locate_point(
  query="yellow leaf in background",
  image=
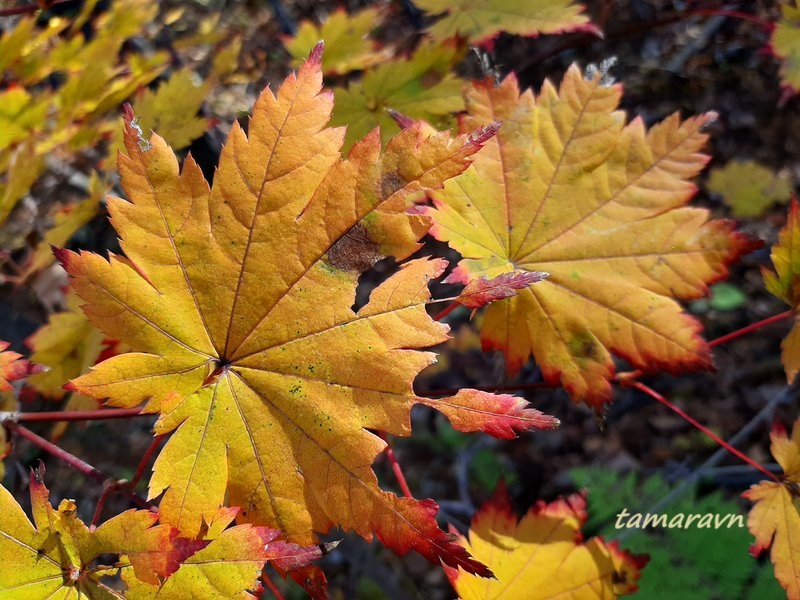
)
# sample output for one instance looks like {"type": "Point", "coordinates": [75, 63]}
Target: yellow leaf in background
{"type": "Point", "coordinates": [94, 80]}
{"type": "Point", "coordinates": [774, 520]}
{"type": "Point", "coordinates": [67, 220]}
{"type": "Point", "coordinates": [237, 301]}
{"type": "Point", "coordinates": [784, 282]}
{"type": "Point", "coordinates": [68, 345]}
{"type": "Point", "coordinates": [749, 188]}
{"type": "Point", "coordinates": [20, 115]}
{"type": "Point", "coordinates": [568, 189]}
{"type": "Point", "coordinates": [785, 44]}
{"type": "Point", "coordinates": [481, 20]}
{"type": "Point", "coordinates": [172, 110]}
{"type": "Point", "coordinates": [23, 168]}
{"type": "Point", "coordinates": [544, 555]}
{"type": "Point", "coordinates": [347, 46]}
{"type": "Point", "coordinates": [422, 86]}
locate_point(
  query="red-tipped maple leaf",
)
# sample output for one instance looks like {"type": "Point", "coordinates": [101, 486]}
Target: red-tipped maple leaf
{"type": "Point", "coordinates": [543, 555]}
{"type": "Point", "coordinates": [567, 188]}
{"type": "Point", "coordinates": [237, 300]}
{"type": "Point", "coordinates": [774, 520]}
{"type": "Point", "coordinates": [784, 282]}
{"type": "Point", "coordinates": [482, 291]}
{"type": "Point", "coordinates": [13, 367]}
{"type": "Point", "coordinates": [57, 555]}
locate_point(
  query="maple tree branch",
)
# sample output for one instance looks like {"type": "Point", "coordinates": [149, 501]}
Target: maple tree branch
{"type": "Point", "coordinates": [110, 486]}
{"type": "Point", "coordinates": [443, 313]}
{"type": "Point", "coordinates": [687, 483]}
{"type": "Point", "coordinates": [586, 39]}
{"type": "Point", "coordinates": [689, 419]}
{"type": "Point", "coordinates": [268, 583]}
{"type": "Point", "coordinates": [70, 459]}
{"type": "Point", "coordinates": [29, 8]}
{"type": "Point", "coordinates": [752, 327]}
{"type": "Point", "coordinates": [72, 415]}
{"type": "Point", "coordinates": [398, 471]}
{"type": "Point", "coordinates": [145, 459]}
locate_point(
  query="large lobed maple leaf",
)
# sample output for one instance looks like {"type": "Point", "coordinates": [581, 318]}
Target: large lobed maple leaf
{"type": "Point", "coordinates": [237, 300]}
{"type": "Point", "coordinates": [567, 188]}
{"type": "Point", "coordinates": [543, 555]}
{"type": "Point", "coordinates": [774, 520]}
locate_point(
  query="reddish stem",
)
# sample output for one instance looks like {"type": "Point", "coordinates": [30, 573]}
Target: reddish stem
{"type": "Point", "coordinates": [79, 415]}
{"type": "Point", "coordinates": [684, 415]}
{"type": "Point", "coordinates": [398, 471]}
{"type": "Point", "coordinates": [72, 460]}
{"type": "Point", "coordinates": [61, 454]}
{"type": "Point", "coordinates": [446, 311]}
{"type": "Point", "coordinates": [112, 486]}
{"type": "Point", "coordinates": [145, 459]}
{"type": "Point", "coordinates": [109, 487]}
{"type": "Point", "coordinates": [752, 327]}
{"type": "Point", "coordinates": [28, 8]}
{"type": "Point", "coordinates": [265, 579]}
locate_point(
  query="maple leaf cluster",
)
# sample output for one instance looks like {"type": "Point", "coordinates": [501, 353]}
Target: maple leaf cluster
{"type": "Point", "coordinates": [230, 312]}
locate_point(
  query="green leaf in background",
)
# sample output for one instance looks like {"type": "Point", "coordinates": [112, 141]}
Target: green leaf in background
{"type": "Point", "coordinates": [723, 297]}
{"type": "Point", "coordinates": [702, 564]}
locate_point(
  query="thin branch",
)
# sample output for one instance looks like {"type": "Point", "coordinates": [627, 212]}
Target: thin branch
{"type": "Point", "coordinates": [398, 471]}
{"type": "Point", "coordinates": [765, 414]}
{"type": "Point", "coordinates": [752, 327]}
{"type": "Point", "coordinates": [145, 459]}
{"type": "Point", "coordinates": [443, 313]}
{"type": "Point", "coordinates": [72, 415]}
{"type": "Point", "coordinates": [29, 8]}
{"type": "Point", "coordinates": [72, 460]}
{"type": "Point", "coordinates": [688, 418]}
{"type": "Point", "coordinates": [265, 579]}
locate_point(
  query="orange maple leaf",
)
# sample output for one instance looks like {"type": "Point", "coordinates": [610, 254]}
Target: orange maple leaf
{"type": "Point", "coordinates": [775, 518]}
{"type": "Point", "coordinates": [13, 367]}
{"type": "Point", "coordinates": [543, 555]}
{"type": "Point", "coordinates": [784, 282]}
{"type": "Point", "coordinates": [567, 188]}
{"type": "Point", "coordinates": [237, 300]}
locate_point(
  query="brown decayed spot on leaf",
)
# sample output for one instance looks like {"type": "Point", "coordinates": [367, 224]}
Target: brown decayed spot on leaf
{"type": "Point", "coordinates": [355, 251]}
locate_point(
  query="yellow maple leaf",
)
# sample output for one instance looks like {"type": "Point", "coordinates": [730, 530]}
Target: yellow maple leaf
{"type": "Point", "coordinates": [785, 44]}
{"type": "Point", "coordinates": [749, 188]}
{"type": "Point", "coordinates": [237, 300]}
{"type": "Point", "coordinates": [774, 520]}
{"type": "Point", "coordinates": [480, 20]}
{"type": "Point", "coordinates": [783, 283]}
{"type": "Point", "coordinates": [55, 556]}
{"type": "Point", "coordinates": [421, 86]}
{"type": "Point", "coordinates": [347, 47]}
{"type": "Point", "coordinates": [543, 555]}
{"type": "Point", "coordinates": [568, 189]}
{"type": "Point", "coordinates": [67, 220]}
{"type": "Point", "coordinates": [172, 109]}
